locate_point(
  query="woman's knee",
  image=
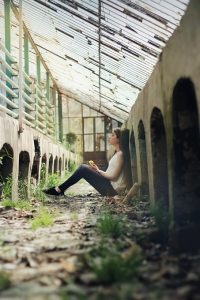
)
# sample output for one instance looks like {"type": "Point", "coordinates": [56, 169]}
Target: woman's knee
{"type": "Point", "coordinates": [83, 168]}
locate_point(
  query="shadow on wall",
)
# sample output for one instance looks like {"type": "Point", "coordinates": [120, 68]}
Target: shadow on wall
{"type": "Point", "coordinates": [24, 162]}
{"type": "Point", "coordinates": [144, 189]}
{"type": "Point", "coordinates": [127, 160]}
{"type": "Point", "coordinates": [186, 143]}
{"type": "Point", "coordinates": [133, 157]}
{"type": "Point", "coordinates": [6, 166]}
{"type": "Point", "coordinates": [159, 156]}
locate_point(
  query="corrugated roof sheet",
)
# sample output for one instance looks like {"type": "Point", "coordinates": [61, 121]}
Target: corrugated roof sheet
{"type": "Point", "coordinates": [121, 48]}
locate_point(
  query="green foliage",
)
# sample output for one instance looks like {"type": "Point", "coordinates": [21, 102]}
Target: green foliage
{"type": "Point", "coordinates": [43, 218]}
{"type": "Point", "coordinates": [110, 225]}
{"type": "Point", "coordinates": [4, 281]}
{"type": "Point", "coordinates": [21, 204]}
{"type": "Point", "coordinates": [52, 180]}
{"type": "Point", "coordinates": [22, 189]}
{"type": "Point", "coordinates": [36, 193]}
{"type": "Point", "coordinates": [115, 268]}
{"type": "Point", "coordinates": [71, 138]}
{"type": "Point", "coordinates": [71, 166]}
{"type": "Point", "coordinates": [7, 188]}
{"type": "Point", "coordinates": [42, 174]}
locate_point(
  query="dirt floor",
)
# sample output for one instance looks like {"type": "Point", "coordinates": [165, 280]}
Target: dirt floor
{"type": "Point", "coordinates": [79, 257]}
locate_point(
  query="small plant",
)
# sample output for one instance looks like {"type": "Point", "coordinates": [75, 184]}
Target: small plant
{"type": "Point", "coordinates": [71, 139]}
{"type": "Point", "coordinates": [21, 204]}
{"type": "Point", "coordinates": [53, 180]}
{"type": "Point", "coordinates": [115, 268]}
{"type": "Point", "coordinates": [109, 225]}
{"type": "Point", "coordinates": [42, 174]}
{"type": "Point", "coordinates": [4, 281]}
{"type": "Point", "coordinates": [22, 189]}
{"type": "Point", "coordinates": [37, 193]}
{"type": "Point", "coordinates": [71, 166]}
{"type": "Point", "coordinates": [7, 188]}
{"type": "Point", "coordinates": [43, 219]}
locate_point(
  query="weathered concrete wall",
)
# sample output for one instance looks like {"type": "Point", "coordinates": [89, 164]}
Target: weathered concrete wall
{"type": "Point", "coordinates": [25, 142]}
{"type": "Point", "coordinates": [180, 59]}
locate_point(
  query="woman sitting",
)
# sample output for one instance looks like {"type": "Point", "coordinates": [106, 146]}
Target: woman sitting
{"type": "Point", "coordinates": [107, 183]}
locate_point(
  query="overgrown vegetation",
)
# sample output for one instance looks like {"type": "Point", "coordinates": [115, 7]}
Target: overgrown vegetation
{"type": "Point", "coordinates": [43, 218]}
{"type": "Point", "coordinates": [111, 266]}
{"type": "Point", "coordinates": [7, 188]}
{"type": "Point", "coordinates": [110, 225]}
{"type": "Point", "coordinates": [20, 204]}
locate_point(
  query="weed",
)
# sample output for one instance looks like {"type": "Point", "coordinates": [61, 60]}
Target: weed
{"type": "Point", "coordinates": [7, 188]}
{"type": "Point", "coordinates": [53, 180]}
{"type": "Point", "coordinates": [115, 268]}
{"type": "Point", "coordinates": [4, 281]}
{"type": "Point", "coordinates": [22, 189]}
{"type": "Point", "coordinates": [37, 193]}
{"type": "Point", "coordinates": [21, 204]}
{"type": "Point", "coordinates": [110, 225]}
{"type": "Point", "coordinates": [42, 219]}
{"type": "Point", "coordinates": [71, 166]}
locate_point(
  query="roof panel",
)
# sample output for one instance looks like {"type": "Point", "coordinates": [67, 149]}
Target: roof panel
{"type": "Point", "coordinates": [128, 43]}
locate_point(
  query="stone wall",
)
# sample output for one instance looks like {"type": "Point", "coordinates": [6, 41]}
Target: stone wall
{"type": "Point", "coordinates": [164, 125]}
{"type": "Point", "coordinates": [21, 152]}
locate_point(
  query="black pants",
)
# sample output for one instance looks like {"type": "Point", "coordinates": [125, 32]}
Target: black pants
{"type": "Point", "coordinates": [100, 183]}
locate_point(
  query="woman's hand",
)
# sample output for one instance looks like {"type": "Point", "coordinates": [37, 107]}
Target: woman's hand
{"type": "Point", "coordinates": [93, 166]}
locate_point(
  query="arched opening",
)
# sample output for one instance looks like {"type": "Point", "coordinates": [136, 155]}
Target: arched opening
{"type": "Point", "coordinates": [50, 164]}
{"type": "Point", "coordinates": [143, 160]}
{"type": "Point", "coordinates": [43, 169]}
{"type": "Point", "coordinates": [66, 165]}
{"type": "Point", "coordinates": [133, 158]}
{"type": "Point", "coordinates": [186, 143]}
{"type": "Point", "coordinates": [6, 167]}
{"type": "Point", "coordinates": [36, 161]}
{"type": "Point", "coordinates": [127, 160]}
{"type": "Point", "coordinates": [60, 166]}
{"type": "Point", "coordinates": [159, 155]}
{"type": "Point", "coordinates": [24, 161]}
{"type": "Point", "coordinates": [55, 165]}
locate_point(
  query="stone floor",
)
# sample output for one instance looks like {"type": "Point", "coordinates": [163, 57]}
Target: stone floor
{"type": "Point", "coordinates": [56, 262]}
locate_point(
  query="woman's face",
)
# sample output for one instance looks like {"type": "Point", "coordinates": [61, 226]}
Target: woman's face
{"type": "Point", "coordinates": [113, 139]}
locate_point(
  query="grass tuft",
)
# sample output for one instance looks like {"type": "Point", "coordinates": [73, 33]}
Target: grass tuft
{"type": "Point", "coordinates": [43, 218]}
{"type": "Point", "coordinates": [110, 225]}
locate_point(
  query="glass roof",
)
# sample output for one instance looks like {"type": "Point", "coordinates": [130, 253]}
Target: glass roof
{"type": "Point", "coordinates": [102, 52]}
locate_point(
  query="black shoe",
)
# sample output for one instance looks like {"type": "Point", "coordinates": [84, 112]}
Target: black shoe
{"type": "Point", "coordinates": [52, 191]}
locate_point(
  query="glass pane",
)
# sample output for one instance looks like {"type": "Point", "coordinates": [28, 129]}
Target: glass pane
{"type": "Point", "coordinates": [100, 142]}
{"type": "Point", "coordinates": [88, 143]}
{"type": "Point", "coordinates": [88, 125]}
{"type": "Point", "coordinates": [99, 124]}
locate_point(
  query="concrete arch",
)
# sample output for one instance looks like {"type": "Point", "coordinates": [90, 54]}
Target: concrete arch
{"type": "Point", "coordinates": [60, 166]}
{"type": "Point", "coordinates": [186, 160]}
{"type": "Point", "coordinates": [143, 159]}
{"type": "Point", "coordinates": [6, 166]}
{"type": "Point", "coordinates": [159, 158]}
{"type": "Point", "coordinates": [133, 157]}
{"type": "Point", "coordinates": [23, 177]}
{"type": "Point", "coordinates": [50, 171]}
{"type": "Point", "coordinates": [55, 169]}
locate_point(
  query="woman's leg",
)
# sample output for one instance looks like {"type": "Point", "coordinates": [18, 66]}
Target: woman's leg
{"type": "Point", "coordinates": [100, 183]}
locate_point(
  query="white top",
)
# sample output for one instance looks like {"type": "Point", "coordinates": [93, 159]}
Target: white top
{"type": "Point", "coordinates": [115, 171]}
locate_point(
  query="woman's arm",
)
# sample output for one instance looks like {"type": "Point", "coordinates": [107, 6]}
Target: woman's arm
{"type": "Point", "coordinates": [113, 174]}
